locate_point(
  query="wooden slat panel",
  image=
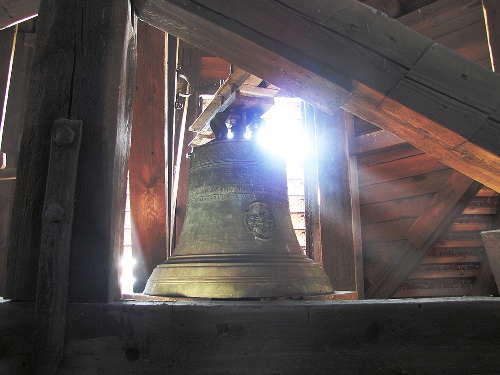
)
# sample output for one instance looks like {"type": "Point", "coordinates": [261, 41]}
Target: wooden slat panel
{"type": "Point", "coordinates": [404, 208]}
{"type": "Point", "coordinates": [468, 42]}
{"type": "Point", "coordinates": [480, 211]}
{"type": "Point", "coordinates": [443, 16]}
{"type": "Point", "coordinates": [399, 169]}
{"type": "Point", "coordinates": [446, 205]}
{"type": "Point", "coordinates": [400, 153]}
{"type": "Point", "coordinates": [487, 192]}
{"type": "Point", "coordinates": [459, 243]}
{"type": "Point", "coordinates": [439, 292]}
{"type": "Point", "coordinates": [443, 274]}
{"type": "Point", "coordinates": [386, 231]}
{"type": "Point", "coordinates": [376, 141]}
{"type": "Point", "coordinates": [453, 259]}
{"type": "Point", "coordinates": [456, 227]}
{"type": "Point", "coordinates": [404, 188]}
{"type": "Point", "coordinates": [380, 252]}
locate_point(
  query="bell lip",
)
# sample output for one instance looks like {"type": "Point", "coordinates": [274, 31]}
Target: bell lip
{"type": "Point", "coordinates": [237, 280]}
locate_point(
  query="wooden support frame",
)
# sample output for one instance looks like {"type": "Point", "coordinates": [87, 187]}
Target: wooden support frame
{"type": "Point", "coordinates": [147, 154]}
{"type": "Point", "coordinates": [446, 205]}
{"type": "Point", "coordinates": [334, 230]}
{"type": "Point", "coordinates": [390, 76]}
{"type": "Point", "coordinates": [91, 44]}
{"type": "Point", "coordinates": [55, 248]}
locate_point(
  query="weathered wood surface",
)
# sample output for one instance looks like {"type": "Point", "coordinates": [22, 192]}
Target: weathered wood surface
{"type": "Point", "coordinates": [15, 11]}
{"type": "Point", "coordinates": [91, 46]}
{"type": "Point", "coordinates": [338, 231]}
{"type": "Point", "coordinates": [55, 247]}
{"type": "Point", "coordinates": [147, 155]}
{"type": "Point", "coordinates": [456, 24]}
{"type": "Point", "coordinates": [422, 233]}
{"type": "Point", "coordinates": [344, 54]}
{"type": "Point", "coordinates": [376, 141]}
{"type": "Point", "coordinates": [443, 336]}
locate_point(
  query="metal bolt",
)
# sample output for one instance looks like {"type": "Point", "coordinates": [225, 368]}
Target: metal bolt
{"type": "Point", "coordinates": [64, 135]}
{"type": "Point", "coordinates": [54, 212]}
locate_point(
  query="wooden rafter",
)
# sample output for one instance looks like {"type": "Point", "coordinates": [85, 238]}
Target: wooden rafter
{"type": "Point", "coordinates": [345, 54]}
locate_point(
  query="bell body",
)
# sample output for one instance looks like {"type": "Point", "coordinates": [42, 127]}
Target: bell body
{"type": "Point", "coordinates": [237, 240]}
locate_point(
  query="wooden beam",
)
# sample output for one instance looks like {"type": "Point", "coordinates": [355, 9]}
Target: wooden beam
{"type": "Point", "coordinates": [373, 142]}
{"type": "Point", "coordinates": [446, 205]}
{"type": "Point", "coordinates": [491, 10]}
{"type": "Point", "coordinates": [339, 232]}
{"type": "Point", "coordinates": [439, 336]}
{"type": "Point", "coordinates": [91, 46]}
{"type": "Point", "coordinates": [15, 11]}
{"type": "Point", "coordinates": [147, 155]}
{"type": "Point", "coordinates": [439, 101]}
{"type": "Point", "coordinates": [55, 247]}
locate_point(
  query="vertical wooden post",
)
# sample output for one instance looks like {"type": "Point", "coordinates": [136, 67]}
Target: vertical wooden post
{"type": "Point", "coordinates": [83, 67]}
{"type": "Point", "coordinates": [338, 233]}
{"type": "Point", "coordinates": [52, 289]}
{"type": "Point", "coordinates": [147, 155]}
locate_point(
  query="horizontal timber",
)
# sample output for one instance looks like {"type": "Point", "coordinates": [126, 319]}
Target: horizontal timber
{"type": "Point", "coordinates": [293, 337]}
{"type": "Point", "coordinates": [373, 66]}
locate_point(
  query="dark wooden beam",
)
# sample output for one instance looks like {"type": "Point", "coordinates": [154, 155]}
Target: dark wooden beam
{"type": "Point", "coordinates": [439, 336]}
{"type": "Point", "coordinates": [432, 223]}
{"type": "Point", "coordinates": [147, 155]}
{"type": "Point", "coordinates": [344, 54]}
{"type": "Point", "coordinates": [83, 68]}
{"type": "Point", "coordinates": [337, 230]}
{"type": "Point", "coordinates": [55, 247]}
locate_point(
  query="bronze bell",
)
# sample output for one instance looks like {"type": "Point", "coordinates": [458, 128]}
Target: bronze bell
{"type": "Point", "coordinates": [237, 240]}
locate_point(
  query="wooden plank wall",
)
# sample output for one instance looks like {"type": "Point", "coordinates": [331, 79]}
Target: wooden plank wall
{"type": "Point", "coordinates": [398, 182]}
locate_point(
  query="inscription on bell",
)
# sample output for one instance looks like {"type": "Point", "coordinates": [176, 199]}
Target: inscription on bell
{"type": "Point", "coordinates": [259, 220]}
